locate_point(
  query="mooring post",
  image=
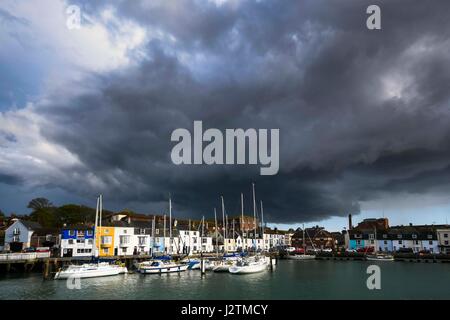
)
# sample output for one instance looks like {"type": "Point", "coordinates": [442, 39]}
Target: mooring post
{"type": "Point", "coordinates": [271, 262]}
{"type": "Point", "coordinates": [8, 267]}
{"type": "Point", "coordinates": [46, 270]}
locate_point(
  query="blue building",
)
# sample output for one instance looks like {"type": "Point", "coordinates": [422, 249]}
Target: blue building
{"type": "Point", "coordinates": [77, 241]}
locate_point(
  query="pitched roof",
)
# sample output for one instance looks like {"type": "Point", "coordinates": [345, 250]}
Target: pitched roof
{"type": "Point", "coordinates": [30, 225]}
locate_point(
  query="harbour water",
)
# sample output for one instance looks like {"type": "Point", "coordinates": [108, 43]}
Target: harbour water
{"type": "Point", "coordinates": [290, 280]}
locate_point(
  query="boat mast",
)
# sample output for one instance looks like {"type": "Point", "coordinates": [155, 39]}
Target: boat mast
{"type": "Point", "coordinates": [164, 227]}
{"type": "Point", "coordinates": [242, 221]}
{"type": "Point", "coordinates": [170, 225]}
{"type": "Point", "coordinates": [224, 230]}
{"type": "Point", "coordinates": [100, 209]}
{"type": "Point", "coordinates": [234, 241]}
{"type": "Point", "coordinates": [262, 223]}
{"type": "Point", "coordinates": [304, 247]}
{"type": "Point", "coordinates": [203, 233]}
{"type": "Point", "coordinates": [95, 250]}
{"type": "Point", "coordinates": [153, 234]}
{"type": "Point", "coordinates": [254, 213]}
{"type": "Point", "coordinates": [215, 220]}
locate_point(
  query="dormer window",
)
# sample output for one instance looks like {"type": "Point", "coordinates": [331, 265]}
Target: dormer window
{"type": "Point", "coordinates": [399, 236]}
{"type": "Point", "coordinates": [430, 236]}
{"type": "Point", "coordinates": [414, 236]}
{"type": "Point", "coordinates": [384, 236]}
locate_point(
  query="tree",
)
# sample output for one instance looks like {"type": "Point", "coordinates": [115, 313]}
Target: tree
{"type": "Point", "coordinates": [39, 203]}
{"type": "Point", "coordinates": [2, 214]}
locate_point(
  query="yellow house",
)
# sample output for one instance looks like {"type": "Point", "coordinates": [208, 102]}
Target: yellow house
{"type": "Point", "coordinates": [106, 237]}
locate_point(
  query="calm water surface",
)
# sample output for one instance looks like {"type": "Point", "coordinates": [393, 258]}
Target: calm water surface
{"type": "Point", "coordinates": [290, 280]}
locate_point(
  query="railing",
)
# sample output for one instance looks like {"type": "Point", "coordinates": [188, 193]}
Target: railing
{"type": "Point", "coordinates": [24, 256]}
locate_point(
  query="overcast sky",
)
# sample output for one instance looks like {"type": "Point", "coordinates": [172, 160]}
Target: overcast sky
{"type": "Point", "coordinates": [364, 115]}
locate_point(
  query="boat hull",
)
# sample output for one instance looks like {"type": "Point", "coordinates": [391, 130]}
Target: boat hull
{"type": "Point", "coordinates": [301, 257]}
{"type": "Point", "coordinates": [159, 270]}
{"type": "Point", "coordinates": [90, 273]}
{"type": "Point", "coordinates": [248, 269]}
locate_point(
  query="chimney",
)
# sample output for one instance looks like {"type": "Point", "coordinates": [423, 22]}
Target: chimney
{"type": "Point", "coordinates": [350, 227]}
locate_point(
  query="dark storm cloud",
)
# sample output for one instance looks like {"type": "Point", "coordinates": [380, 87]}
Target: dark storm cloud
{"type": "Point", "coordinates": [360, 112]}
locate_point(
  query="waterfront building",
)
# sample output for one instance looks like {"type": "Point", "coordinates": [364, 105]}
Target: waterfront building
{"type": "Point", "coordinates": [443, 238]}
{"type": "Point", "coordinates": [77, 241]}
{"type": "Point", "coordinates": [274, 239]}
{"type": "Point", "coordinates": [105, 238]}
{"type": "Point", "coordinates": [18, 234]}
{"type": "Point", "coordinates": [315, 238]}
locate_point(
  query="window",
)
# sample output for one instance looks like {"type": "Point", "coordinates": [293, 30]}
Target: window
{"type": "Point", "coordinates": [141, 241]}
{"type": "Point", "coordinates": [385, 242]}
{"type": "Point", "coordinates": [125, 231]}
{"type": "Point", "coordinates": [399, 236]}
{"type": "Point", "coordinates": [371, 236]}
{"type": "Point", "coordinates": [446, 242]}
{"type": "Point", "coordinates": [90, 241]}
{"type": "Point", "coordinates": [430, 236]}
{"type": "Point", "coordinates": [204, 240]}
{"type": "Point", "coordinates": [400, 241]}
{"type": "Point", "coordinates": [194, 240]}
{"type": "Point", "coordinates": [384, 236]}
{"type": "Point", "coordinates": [105, 251]}
{"type": "Point", "coordinates": [430, 243]}
{"type": "Point", "coordinates": [71, 233]}
{"type": "Point", "coordinates": [445, 235]}
{"type": "Point", "coordinates": [358, 242]}
{"type": "Point", "coordinates": [124, 239]}
{"type": "Point", "coordinates": [89, 233]}
{"type": "Point", "coordinates": [80, 241]}
{"type": "Point", "coordinates": [70, 241]}
{"type": "Point", "coordinates": [106, 231]}
{"type": "Point", "coordinates": [124, 250]}
{"type": "Point", "coordinates": [106, 239]}
{"type": "Point", "coordinates": [156, 231]}
{"type": "Point", "coordinates": [416, 242]}
{"type": "Point", "coordinates": [414, 236]}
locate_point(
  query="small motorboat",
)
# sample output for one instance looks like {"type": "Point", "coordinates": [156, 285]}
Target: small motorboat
{"type": "Point", "coordinates": [160, 266]}
{"type": "Point", "coordinates": [91, 270]}
{"type": "Point", "coordinates": [380, 257]}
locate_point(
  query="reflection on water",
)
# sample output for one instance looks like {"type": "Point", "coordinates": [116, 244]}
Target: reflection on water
{"type": "Point", "coordinates": [290, 280]}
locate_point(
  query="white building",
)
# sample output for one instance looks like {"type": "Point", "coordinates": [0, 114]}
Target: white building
{"type": "Point", "coordinates": [19, 234]}
{"type": "Point", "coordinates": [443, 238]}
{"type": "Point", "coordinates": [130, 241]}
{"type": "Point", "coordinates": [77, 241]}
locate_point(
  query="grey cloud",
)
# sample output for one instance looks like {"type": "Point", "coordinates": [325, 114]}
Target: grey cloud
{"type": "Point", "coordinates": [310, 68]}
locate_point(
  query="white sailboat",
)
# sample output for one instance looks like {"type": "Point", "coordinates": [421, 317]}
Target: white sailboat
{"type": "Point", "coordinates": [160, 266]}
{"type": "Point", "coordinates": [252, 264]}
{"type": "Point", "coordinates": [256, 263]}
{"type": "Point", "coordinates": [304, 256]}
{"type": "Point", "coordinates": [92, 270]}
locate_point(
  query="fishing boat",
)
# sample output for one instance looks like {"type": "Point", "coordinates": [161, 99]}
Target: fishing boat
{"type": "Point", "coordinates": [95, 269]}
{"type": "Point", "coordinates": [254, 264]}
{"type": "Point", "coordinates": [160, 266]}
{"type": "Point", "coordinates": [380, 257]}
{"type": "Point", "coordinates": [91, 270]}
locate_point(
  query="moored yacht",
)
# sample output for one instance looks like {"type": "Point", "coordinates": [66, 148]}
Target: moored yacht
{"type": "Point", "coordinates": [160, 266]}
{"type": "Point", "coordinates": [90, 270]}
{"type": "Point", "coordinates": [96, 269]}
